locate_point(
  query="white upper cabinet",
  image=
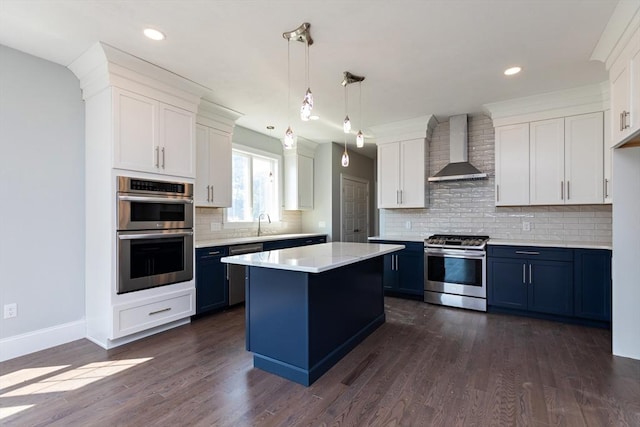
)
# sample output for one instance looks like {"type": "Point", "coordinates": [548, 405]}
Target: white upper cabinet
{"type": "Point", "coordinates": [624, 77]}
{"type": "Point", "coordinates": [213, 167]}
{"type": "Point", "coordinates": [150, 136]}
{"type": "Point", "coordinates": [512, 167]}
{"type": "Point", "coordinates": [546, 157]}
{"type": "Point", "coordinates": [298, 173]}
{"type": "Point", "coordinates": [551, 162]}
{"type": "Point", "coordinates": [583, 159]}
{"type": "Point", "coordinates": [401, 174]}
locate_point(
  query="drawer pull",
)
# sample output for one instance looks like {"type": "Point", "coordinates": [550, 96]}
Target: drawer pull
{"type": "Point", "coordinates": [214, 253]}
{"type": "Point", "coordinates": [159, 311]}
{"type": "Point", "coordinates": [527, 253]}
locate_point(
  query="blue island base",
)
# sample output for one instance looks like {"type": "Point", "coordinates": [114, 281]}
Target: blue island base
{"type": "Point", "coordinates": [300, 324]}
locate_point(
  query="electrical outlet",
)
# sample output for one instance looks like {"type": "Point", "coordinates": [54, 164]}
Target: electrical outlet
{"type": "Point", "coordinates": [322, 224]}
{"type": "Point", "coordinates": [407, 225]}
{"type": "Point", "coordinates": [526, 226]}
{"type": "Point", "coordinates": [10, 310]}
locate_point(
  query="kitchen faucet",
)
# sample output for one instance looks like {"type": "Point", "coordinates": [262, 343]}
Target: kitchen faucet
{"type": "Point", "coordinates": [261, 216]}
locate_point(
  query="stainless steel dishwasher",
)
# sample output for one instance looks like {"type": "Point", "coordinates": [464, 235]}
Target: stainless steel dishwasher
{"type": "Point", "coordinates": [237, 272]}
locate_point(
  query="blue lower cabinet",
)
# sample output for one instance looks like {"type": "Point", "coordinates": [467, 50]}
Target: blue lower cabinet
{"type": "Point", "coordinates": [211, 279]}
{"type": "Point", "coordinates": [404, 270]}
{"type": "Point", "coordinates": [571, 284]}
{"type": "Point", "coordinates": [592, 291]}
{"type": "Point", "coordinates": [531, 279]}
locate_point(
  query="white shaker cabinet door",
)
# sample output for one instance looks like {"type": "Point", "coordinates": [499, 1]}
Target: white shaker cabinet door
{"type": "Point", "coordinates": [608, 158]}
{"type": "Point", "coordinates": [412, 179]}
{"type": "Point", "coordinates": [546, 154]}
{"type": "Point", "coordinates": [584, 163]}
{"type": "Point", "coordinates": [220, 167]}
{"type": "Point", "coordinates": [202, 192]}
{"type": "Point", "coordinates": [305, 182]}
{"type": "Point", "coordinates": [389, 175]}
{"type": "Point", "coordinates": [176, 141]}
{"type": "Point", "coordinates": [512, 165]}
{"type": "Point", "coordinates": [135, 130]}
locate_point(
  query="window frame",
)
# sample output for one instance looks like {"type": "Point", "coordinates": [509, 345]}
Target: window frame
{"type": "Point", "coordinates": [276, 217]}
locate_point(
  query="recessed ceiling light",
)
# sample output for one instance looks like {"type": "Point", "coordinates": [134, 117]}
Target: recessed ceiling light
{"type": "Point", "coordinates": [511, 71]}
{"type": "Point", "coordinates": [154, 34]}
{"type": "Point", "coordinates": [314, 117]}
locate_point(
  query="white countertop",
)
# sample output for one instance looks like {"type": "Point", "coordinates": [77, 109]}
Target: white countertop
{"type": "Point", "coordinates": [551, 244]}
{"type": "Point", "coordinates": [314, 258]}
{"type": "Point", "coordinates": [229, 241]}
{"type": "Point", "coordinates": [398, 238]}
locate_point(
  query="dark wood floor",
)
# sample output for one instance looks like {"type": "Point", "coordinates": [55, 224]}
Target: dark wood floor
{"type": "Point", "coordinates": [426, 365]}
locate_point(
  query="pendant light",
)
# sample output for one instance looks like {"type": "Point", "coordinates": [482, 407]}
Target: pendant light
{"type": "Point", "coordinates": [346, 124]}
{"type": "Point", "coordinates": [307, 101]}
{"type": "Point", "coordinates": [303, 35]}
{"type": "Point", "coordinates": [345, 155]}
{"type": "Point", "coordinates": [288, 135]}
{"type": "Point", "coordinates": [360, 135]}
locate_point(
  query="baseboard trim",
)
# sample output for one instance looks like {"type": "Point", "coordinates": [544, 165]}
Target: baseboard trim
{"type": "Point", "coordinates": [20, 345]}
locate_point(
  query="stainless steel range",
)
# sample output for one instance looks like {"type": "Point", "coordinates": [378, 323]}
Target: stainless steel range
{"type": "Point", "coordinates": [455, 269]}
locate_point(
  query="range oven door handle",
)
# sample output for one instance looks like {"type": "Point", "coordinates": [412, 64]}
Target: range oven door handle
{"type": "Point", "coordinates": [455, 253]}
{"type": "Point", "coordinates": [162, 235]}
{"type": "Point", "coordinates": [153, 199]}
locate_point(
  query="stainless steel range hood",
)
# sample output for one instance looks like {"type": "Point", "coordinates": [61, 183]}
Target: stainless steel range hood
{"type": "Point", "coordinates": [459, 167]}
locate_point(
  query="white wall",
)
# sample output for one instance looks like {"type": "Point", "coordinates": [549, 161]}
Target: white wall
{"type": "Point", "coordinates": [42, 198]}
{"type": "Point", "coordinates": [625, 325]}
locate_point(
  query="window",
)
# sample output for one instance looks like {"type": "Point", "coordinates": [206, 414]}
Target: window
{"type": "Point", "coordinates": [254, 186]}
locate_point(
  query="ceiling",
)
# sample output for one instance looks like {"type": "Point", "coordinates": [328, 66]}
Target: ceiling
{"type": "Point", "coordinates": [419, 57]}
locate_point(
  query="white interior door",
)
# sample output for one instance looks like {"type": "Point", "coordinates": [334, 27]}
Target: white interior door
{"type": "Point", "coordinates": [354, 210]}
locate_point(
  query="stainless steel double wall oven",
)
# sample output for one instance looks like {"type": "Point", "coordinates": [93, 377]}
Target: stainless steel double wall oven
{"type": "Point", "coordinates": [154, 233]}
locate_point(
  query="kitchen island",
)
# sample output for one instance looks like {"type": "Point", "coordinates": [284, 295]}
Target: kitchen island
{"type": "Point", "coordinates": [307, 307]}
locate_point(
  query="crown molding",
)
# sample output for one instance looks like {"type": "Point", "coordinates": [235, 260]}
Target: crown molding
{"type": "Point", "coordinates": [404, 130]}
{"type": "Point", "coordinates": [624, 20]}
{"type": "Point", "coordinates": [569, 102]}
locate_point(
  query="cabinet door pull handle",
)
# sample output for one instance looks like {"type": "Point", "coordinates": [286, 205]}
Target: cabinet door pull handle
{"type": "Point", "coordinates": [527, 253]}
{"type": "Point", "coordinates": [561, 190]}
{"type": "Point", "coordinates": [211, 190]}
{"type": "Point", "coordinates": [397, 197]}
{"type": "Point", "coordinates": [497, 192]}
{"type": "Point", "coordinates": [157, 157]}
{"type": "Point", "coordinates": [627, 115]}
{"type": "Point", "coordinates": [159, 311]}
{"type": "Point", "coordinates": [400, 196]}
{"type": "Point", "coordinates": [606, 188]}
{"type": "Point", "coordinates": [568, 191]}
{"type": "Point", "coordinates": [208, 192]}
{"type": "Point", "coordinates": [621, 121]}
{"type": "Point", "coordinates": [530, 281]}
{"type": "Point", "coordinates": [162, 157]}
{"type": "Point", "coordinates": [524, 273]}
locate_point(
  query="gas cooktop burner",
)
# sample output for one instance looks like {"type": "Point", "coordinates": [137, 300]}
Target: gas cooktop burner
{"type": "Point", "coordinates": [455, 241]}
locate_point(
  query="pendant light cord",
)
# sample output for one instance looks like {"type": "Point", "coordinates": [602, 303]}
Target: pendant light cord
{"type": "Point", "coordinates": [289, 81]}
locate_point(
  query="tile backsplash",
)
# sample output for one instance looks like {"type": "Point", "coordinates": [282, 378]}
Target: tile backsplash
{"type": "Point", "coordinates": [469, 207]}
{"type": "Point", "coordinates": [208, 218]}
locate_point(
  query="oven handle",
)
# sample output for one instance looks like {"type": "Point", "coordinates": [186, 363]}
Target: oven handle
{"type": "Point", "coordinates": [162, 235]}
{"type": "Point", "coordinates": [456, 253]}
{"type": "Point", "coordinates": [153, 199]}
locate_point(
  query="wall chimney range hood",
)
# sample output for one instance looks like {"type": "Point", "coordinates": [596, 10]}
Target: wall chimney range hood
{"type": "Point", "coordinates": [459, 167]}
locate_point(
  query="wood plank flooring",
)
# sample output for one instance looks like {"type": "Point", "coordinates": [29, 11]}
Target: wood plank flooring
{"type": "Point", "coordinates": [426, 366]}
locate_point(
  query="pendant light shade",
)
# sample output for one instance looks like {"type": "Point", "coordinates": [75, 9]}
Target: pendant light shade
{"type": "Point", "coordinates": [346, 125]}
{"type": "Point", "coordinates": [345, 159]}
{"type": "Point", "coordinates": [289, 140]}
{"type": "Point", "coordinates": [360, 139]}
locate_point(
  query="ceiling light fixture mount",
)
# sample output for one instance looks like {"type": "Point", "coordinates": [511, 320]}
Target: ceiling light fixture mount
{"type": "Point", "coordinates": [300, 34]}
{"type": "Point", "coordinates": [347, 79]}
